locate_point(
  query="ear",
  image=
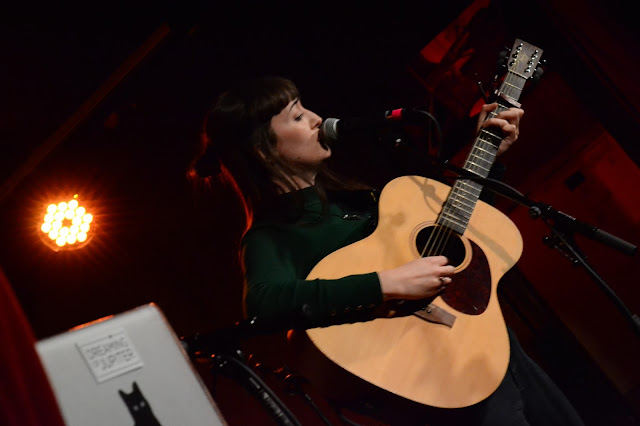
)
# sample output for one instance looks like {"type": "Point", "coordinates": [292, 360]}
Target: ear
{"type": "Point", "coordinates": [135, 387]}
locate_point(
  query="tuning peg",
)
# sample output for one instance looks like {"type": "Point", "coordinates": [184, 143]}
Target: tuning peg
{"type": "Point", "coordinates": [501, 64]}
{"type": "Point", "coordinates": [537, 74]}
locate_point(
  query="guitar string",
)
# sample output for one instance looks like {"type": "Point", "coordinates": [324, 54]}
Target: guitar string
{"type": "Point", "coordinates": [443, 233]}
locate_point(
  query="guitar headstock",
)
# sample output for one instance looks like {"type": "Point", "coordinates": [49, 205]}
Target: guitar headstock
{"type": "Point", "coordinates": [524, 59]}
{"type": "Point", "coordinates": [521, 64]}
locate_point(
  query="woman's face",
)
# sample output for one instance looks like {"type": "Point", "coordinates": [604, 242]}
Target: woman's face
{"type": "Point", "coordinates": [297, 133]}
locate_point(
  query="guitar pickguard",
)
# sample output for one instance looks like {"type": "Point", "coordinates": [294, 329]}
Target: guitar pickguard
{"type": "Point", "coordinates": [470, 290]}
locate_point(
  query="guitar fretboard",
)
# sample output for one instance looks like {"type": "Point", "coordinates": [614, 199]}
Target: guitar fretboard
{"type": "Point", "coordinates": [459, 206]}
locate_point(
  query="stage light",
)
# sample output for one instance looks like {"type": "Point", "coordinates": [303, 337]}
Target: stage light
{"type": "Point", "coordinates": [66, 225]}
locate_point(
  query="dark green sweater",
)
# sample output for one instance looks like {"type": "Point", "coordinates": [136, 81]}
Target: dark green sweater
{"type": "Point", "coordinates": [279, 254]}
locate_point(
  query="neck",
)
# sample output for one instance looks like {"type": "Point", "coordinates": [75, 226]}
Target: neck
{"type": "Point", "coordinates": [294, 183]}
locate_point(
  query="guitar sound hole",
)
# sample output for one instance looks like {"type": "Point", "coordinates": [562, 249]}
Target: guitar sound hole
{"type": "Point", "coordinates": [441, 241]}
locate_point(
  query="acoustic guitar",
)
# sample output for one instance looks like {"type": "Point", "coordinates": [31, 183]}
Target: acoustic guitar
{"type": "Point", "coordinates": [454, 351]}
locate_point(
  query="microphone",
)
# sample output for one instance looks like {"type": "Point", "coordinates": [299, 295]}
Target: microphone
{"type": "Point", "coordinates": [333, 129]}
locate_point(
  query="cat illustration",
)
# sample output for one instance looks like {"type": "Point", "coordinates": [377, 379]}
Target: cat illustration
{"type": "Point", "coordinates": [139, 407]}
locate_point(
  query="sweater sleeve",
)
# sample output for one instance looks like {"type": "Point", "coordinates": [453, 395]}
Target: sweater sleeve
{"type": "Point", "coordinates": [276, 287]}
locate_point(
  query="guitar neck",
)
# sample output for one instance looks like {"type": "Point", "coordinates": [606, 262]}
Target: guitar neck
{"type": "Point", "coordinates": [459, 206]}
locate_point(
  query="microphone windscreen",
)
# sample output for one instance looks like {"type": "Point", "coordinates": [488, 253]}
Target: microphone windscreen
{"type": "Point", "coordinates": [329, 130]}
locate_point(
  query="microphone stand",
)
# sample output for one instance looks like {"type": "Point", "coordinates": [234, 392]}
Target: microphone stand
{"type": "Point", "coordinates": [562, 226]}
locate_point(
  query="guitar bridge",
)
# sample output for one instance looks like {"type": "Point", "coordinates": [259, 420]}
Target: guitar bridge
{"type": "Point", "coordinates": [435, 314]}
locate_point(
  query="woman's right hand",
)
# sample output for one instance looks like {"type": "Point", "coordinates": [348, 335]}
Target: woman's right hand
{"type": "Point", "coordinates": [418, 279]}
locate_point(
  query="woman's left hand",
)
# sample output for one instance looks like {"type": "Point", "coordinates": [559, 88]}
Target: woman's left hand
{"type": "Point", "coordinates": [508, 121]}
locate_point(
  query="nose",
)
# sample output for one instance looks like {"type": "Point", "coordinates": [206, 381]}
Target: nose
{"type": "Point", "coordinates": [316, 120]}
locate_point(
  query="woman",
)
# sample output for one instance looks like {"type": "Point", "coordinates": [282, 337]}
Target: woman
{"type": "Point", "coordinates": [266, 143]}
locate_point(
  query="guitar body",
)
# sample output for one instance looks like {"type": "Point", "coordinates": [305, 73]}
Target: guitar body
{"type": "Point", "coordinates": [431, 363]}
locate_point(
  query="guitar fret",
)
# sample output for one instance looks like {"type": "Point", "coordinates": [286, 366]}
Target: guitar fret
{"type": "Point", "coordinates": [497, 137]}
{"type": "Point", "coordinates": [458, 204]}
{"type": "Point", "coordinates": [489, 144]}
{"type": "Point", "coordinates": [481, 158]}
{"type": "Point", "coordinates": [493, 138]}
{"type": "Point", "coordinates": [492, 144]}
{"type": "Point", "coordinates": [469, 184]}
{"type": "Point", "coordinates": [455, 220]}
{"type": "Point", "coordinates": [477, 165]}
{"type": "Point", "coordinates": [473, 198]}
{"type": "Point", "coordinates": [489, 160]}
{"type": "Point", "coordinates": [463, 213]}
{"type": "Point", "coordinates": [451, 213]}
{"type": "Point", "coordinates": [511, 94]}
{"type": "Point", "coordinates": [459, 201]}
{"type": "Point", "coordinates": [511, 85]}
{"type": "Point", "coordinates": [479, 148]}
{"type": "Point", "coordinates": [466, 191]}
{"type": "Point", "coordinates": [484, 162]}
{"type": "Point", "coordinates": [512, 73]}
{"type": "Point", "coordinates": [459, 213]}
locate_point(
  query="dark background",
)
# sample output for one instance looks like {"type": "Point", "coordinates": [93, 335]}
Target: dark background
{"type": "Point", "coordinates": [107, 103]}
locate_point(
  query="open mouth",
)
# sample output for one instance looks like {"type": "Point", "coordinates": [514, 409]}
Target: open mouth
{"type": "Point", "coordinates": [323, 143]}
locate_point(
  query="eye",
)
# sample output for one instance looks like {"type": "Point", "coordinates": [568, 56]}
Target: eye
{"type": "Point", "coordinates": [298, 118]}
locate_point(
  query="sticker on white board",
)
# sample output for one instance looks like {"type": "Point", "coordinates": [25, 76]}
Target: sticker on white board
{"type": "Point", "coordinates": [110, 356]}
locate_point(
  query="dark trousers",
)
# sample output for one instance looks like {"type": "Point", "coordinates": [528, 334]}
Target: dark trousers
{"type": "Point", "coordinates": [526, 396]}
